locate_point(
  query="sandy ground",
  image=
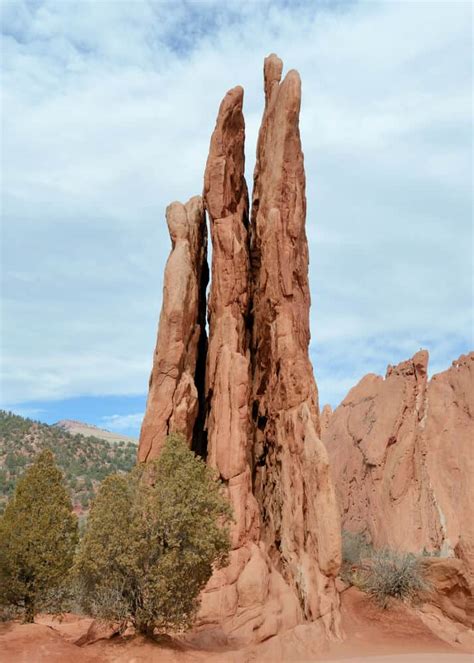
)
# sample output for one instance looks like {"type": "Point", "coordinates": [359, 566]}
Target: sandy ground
{"type": "Point", "coordinates": [397, 635]}
{"type": "Point", "coordinates": [413, 658]}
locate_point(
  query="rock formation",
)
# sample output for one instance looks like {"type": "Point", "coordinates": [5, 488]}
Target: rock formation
{"type": "Point", "coordinates": [177, 373]}
{"type": "Point", "coordinates": [325, 418]}
{"type": "Point", "coordinates": [292, 483]}
{"type": "Point", "coordinates": [402, 458]}
{"type": "Point", "coordinates": [255, 417]}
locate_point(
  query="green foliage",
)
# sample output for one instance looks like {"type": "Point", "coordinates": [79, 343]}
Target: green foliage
{"type": "Point", "coordinates": [151, 540]}
{"type": "Point", "coordinates": [38, 536]}
{"type": "Point", "coordinates": [85, 461]}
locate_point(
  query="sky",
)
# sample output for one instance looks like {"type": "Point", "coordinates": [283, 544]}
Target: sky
{"type": "Point", "coordinates": [107, 111]}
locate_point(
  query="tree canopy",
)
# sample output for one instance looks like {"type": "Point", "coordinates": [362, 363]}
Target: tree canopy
{"type": "Point", "coordinates": [151, 541]}
{"type": "Point", "coordinates": [38, 536]}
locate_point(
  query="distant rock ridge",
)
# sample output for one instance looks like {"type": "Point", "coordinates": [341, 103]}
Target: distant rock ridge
{"type": "Point", "coordinates": [401, 453]}
{"type": "Point", "coordinates": [90, 430]}
{"type": "Point", "coordinates": [246, 399]}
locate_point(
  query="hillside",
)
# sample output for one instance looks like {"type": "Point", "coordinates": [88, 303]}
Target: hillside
{"type": "Point", "coordinates": [85, 461]}
{"type": "Point", "coordinates": [80, 428]}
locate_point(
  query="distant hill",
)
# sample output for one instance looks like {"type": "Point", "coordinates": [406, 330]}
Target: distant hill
{"type": "Point", "coordinates": [88, 430]}
{"type": "Point", "coordinates": [85, 461]}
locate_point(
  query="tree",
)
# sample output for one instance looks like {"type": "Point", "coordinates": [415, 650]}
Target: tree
{"type": "Point", "coordinates": [151, 541]}
{"type": "Point", "coordinates": [38, 536]}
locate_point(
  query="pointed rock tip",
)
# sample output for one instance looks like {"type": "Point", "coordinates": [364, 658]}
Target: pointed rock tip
{"type": "Point", "coordinates": [272, 68]}
{"type": "Point", "coordinates": [233, 98]}
{"type": "Point", "coordinates": [194, 201]}
{"type": "Point", "coordinates": [292, 77]}
{"type": "Point", "coordinates": [291, 87]}
{"type": "Point", "coordinates": [180, 218]}
{"type": "Point", "coordinates": [236, 92]}
{"type": "Point", "coordinates": [419, 362]}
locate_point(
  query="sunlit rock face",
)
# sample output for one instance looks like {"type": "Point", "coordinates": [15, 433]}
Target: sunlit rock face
{"type": "Point", "coordinates": [299, 516]}
{"type": "Point", "coordinates": [255, 415]}
{"type": "Point", "coordinates": [173, 396]}
{"type": "Point", "coordinates": [401, 452]}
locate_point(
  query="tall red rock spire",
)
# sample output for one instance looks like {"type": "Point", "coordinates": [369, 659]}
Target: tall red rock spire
{"type": "Point", "coordinates": [173, 396]}
{"type": "Point", "coordinates": [292, 483]}
{"type": "Point", "coordinates": [228, 360]}
{"type": "Point", "coordinates": [258, 405]}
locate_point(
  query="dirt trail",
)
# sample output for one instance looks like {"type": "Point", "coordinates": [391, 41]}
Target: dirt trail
{"type": "Point", "coordinates": [396, 635]}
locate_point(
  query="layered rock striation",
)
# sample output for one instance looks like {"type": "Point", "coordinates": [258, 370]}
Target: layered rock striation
{"type": "Point", "coordinates": [255, 416]}
{"type": "Point", "coordinates": [402, 458]}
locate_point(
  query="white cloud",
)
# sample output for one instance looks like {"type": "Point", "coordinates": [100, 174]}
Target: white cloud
{"type": "Point", "coordinates": [123, 422]}
{"type": "Point", "coordinates": [108, 111]}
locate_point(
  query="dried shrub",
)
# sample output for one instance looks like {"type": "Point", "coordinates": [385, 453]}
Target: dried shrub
{"type": "Point", "coordinates": [394, 575]}
{"type": "Point", "coordinates": [355, 547]}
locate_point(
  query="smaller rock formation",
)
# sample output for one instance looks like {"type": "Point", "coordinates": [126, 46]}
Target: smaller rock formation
{"type": "Point", "coordinates": [450, 589]}
{"type": "Point", "coordinates": [402, 458]}
{"type": "Point", "coordinates": [325, 418]}
{"type": "Point", "coordinates": [173, 397]}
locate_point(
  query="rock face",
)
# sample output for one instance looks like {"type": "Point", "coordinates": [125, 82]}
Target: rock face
{"type": "Point", "coordinates": [177, 373]}
{"type": "Point", "coordinates": [292, 482]}
{"type": "Point", "coordinates": [325, 418]}
{"type": "Point", "coordinates": [450, 589]}
{"type": "Point", "coordinates": [228, 359]}
{"type": "Point", "coordinates": [255, 417]}
{"type": "Point", "coordinates": [402, 458]}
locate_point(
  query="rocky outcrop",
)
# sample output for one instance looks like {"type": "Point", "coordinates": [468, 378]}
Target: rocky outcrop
{"type": "Point", "coordinates": [299, 516]}
{"type": "Point", "coordinates": [325, 418]}
{"type": "Point", "coordinates": [401, 453]}
{"type": "Point", "coordinates": [450, 589]}
{"type": "Point", "coordinates": [449, 438]}
{"type": "Point", "coordinates": [255, 418]}
{"type": "Point", "coordinates": [173, 396]}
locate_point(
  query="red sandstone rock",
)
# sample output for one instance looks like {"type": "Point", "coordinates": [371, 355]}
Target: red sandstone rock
{"type": "Point", "coordinates": [401, 453]}
{"type": "Point", "coordinates": [173, 399]}
{"type": "Point", "coordinates": [450, 589]}
{"type": "Point", "coordinates": [227, 370]}
{"type": "Point", "coordinates": [300, 524]}
{"type": "Point", "coordinates": [449, 439]}
{"type": "Point", "coordinates": [325, 418]}
{"type": "Point", "coordinates": [259, 403]}
{"type": "Point", "coordinates": [248, 600]}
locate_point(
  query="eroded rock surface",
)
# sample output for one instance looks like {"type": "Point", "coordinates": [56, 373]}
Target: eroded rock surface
{"type": "Point", "coordinates": [173, 396]}
{"type": "Point", "coordinates": [299, 516]}
{"type": "Point", "coordinates": [325, 418]}
{"type": "Point", "coordinates": [248, 600]}
{"type": "Point", "coordinates": [401, 450]}
{"type": "Point", "coordinates": [256, 413]}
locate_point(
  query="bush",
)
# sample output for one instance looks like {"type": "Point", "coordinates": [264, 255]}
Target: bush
{"type": "Point", "coordinates": [394, 575]}
{"type": "Point", "coordinates": [151, 540]}
{"type": "Point", "coordinates": [355, 547]}
{"type": "Point", "coordinates": [38, 535]}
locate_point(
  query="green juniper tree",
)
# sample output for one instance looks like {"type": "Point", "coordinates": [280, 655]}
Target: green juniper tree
{"type": "Point", "coordinates": [38, 536]}
{"type": "Point", "coordinates": [151, 541]}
